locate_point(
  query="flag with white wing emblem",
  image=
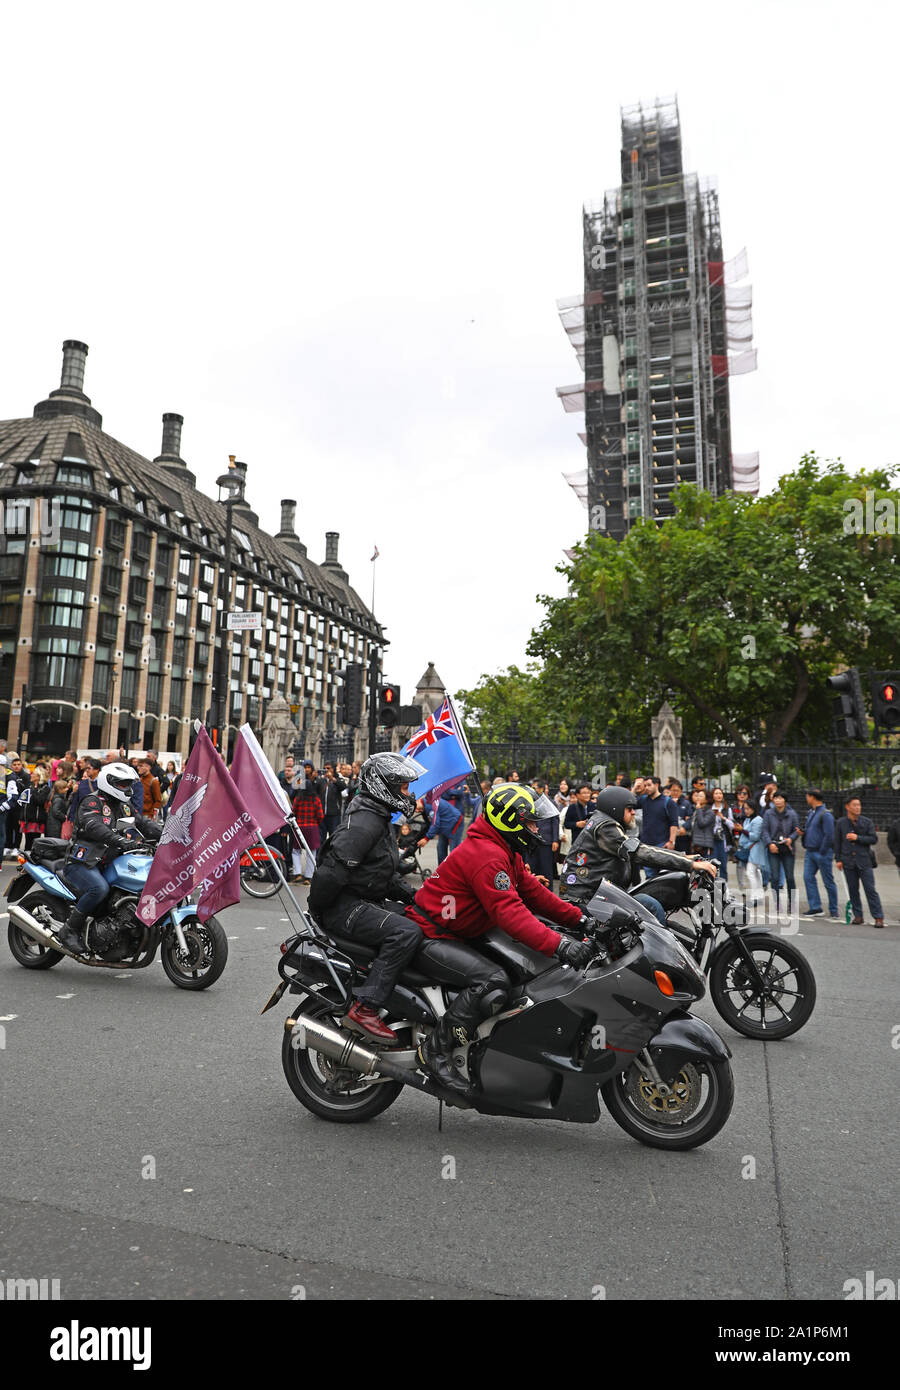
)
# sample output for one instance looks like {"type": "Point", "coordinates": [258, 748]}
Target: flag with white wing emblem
{"type": "Point", "coordinates": [207, 829]}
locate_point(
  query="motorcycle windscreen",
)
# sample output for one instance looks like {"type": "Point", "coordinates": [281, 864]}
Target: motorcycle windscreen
{"type": "Point", "coordinates": [608, 897]}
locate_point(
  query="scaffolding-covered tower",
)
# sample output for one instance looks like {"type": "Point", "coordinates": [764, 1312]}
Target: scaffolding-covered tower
{"type": "Point", "coordinates": [652, 331]}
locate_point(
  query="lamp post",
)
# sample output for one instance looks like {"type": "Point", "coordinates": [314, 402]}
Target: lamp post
{"type": "Point", "coordinates": [231, 490]}
{"type": "Point", "coordinates": [112, 695]}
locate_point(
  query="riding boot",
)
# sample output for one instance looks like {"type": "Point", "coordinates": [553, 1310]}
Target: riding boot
{"type": "Point", "coordinates": [71, 934]}
{"type": "Point", "coordinates": [435, 1054]}
{"type": "Point", "coordinates": [455, 1029]}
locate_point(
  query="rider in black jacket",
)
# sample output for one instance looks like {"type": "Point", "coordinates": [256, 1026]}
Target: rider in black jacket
{"type": "Point", "coordinates": [357, 870]}
{"type": "Point", "coordinates": [95, 843]}
{"type": "Point", "coordinates": [608, 848]}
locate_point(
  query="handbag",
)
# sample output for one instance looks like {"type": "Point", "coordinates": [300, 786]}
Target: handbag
{"type": "Point", "coordinates": [67, 828]}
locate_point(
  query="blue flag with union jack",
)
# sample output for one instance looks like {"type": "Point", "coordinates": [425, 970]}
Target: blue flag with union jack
{"type": "Point", "coordinates": [440, 746]}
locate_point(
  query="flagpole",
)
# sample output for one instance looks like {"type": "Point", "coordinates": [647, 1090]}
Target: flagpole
{"type": "Point", "coordinates": [305, 917]}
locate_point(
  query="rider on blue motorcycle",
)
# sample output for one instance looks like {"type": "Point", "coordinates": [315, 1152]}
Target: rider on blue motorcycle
{"type": "Point", "coordinates": [96, 842]}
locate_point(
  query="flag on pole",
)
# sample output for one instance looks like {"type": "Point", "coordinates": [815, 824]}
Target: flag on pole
{"type": "Point", "coordinates": [206, 831]}
{"type": "Point", "coordinates": [261, 790]}
{"type": "Point", "coordinates": [439, 745]}
{"type": "Point", "coordinates": [377, 552]}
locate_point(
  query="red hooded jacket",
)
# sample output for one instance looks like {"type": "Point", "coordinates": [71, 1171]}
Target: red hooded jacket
{"type": "Point", "coordinates": [484, 883]}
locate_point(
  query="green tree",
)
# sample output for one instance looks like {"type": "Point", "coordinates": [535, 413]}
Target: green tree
{"type": "Point", "coordinates": [737, 607]}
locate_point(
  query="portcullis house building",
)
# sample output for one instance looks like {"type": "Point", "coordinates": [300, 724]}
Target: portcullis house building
{"type": "Point", "coordinates": [111, 572]}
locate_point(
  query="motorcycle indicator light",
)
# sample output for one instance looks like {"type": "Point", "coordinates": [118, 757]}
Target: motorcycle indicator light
{"type": "Point", "coordinates": [663, 982]}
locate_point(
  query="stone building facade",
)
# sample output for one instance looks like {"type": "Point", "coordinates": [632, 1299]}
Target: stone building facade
{"type": "Point", "coordinates": [110, 579]}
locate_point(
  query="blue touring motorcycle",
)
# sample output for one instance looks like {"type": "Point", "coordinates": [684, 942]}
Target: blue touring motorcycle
{"type": "Point", "coordinates": [193, 953]}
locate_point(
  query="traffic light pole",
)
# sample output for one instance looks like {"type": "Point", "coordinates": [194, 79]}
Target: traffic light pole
{"type": "Point", "coordinates": [373, 699]}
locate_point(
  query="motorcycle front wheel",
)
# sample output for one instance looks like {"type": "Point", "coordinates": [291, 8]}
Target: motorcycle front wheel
{"type": "Point", "coordinates": [781, 1006]}
{"type": "Point", "coordinates": [702, 1094]}
{"type": "Point", "coordinates": [207, 954]}
{"type": "Point", "coordinates": [331, 1092]}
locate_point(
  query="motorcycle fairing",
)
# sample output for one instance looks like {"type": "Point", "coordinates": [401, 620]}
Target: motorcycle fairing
{"type": "Point", "coordinates": [682, 1038]}
{"type": "Point", "coordinates": [50, 881]}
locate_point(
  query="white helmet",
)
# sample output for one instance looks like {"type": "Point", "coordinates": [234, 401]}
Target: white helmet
{"type": "Point", "coordinates": [117, 779]}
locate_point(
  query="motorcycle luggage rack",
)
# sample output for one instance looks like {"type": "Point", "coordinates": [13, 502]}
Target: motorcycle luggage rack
{"type": "Point", "coordinates": [299, 952]}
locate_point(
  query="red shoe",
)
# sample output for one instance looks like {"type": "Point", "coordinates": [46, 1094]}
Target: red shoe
{"type": "Point", "coordinates": [362, 1018]}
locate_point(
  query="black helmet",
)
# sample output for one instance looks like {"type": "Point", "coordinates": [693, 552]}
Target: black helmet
{"type": "Point", "coordinates": [382, 776]}
{"type": "Point", "coordinates": [513, 808]}
{"type": "Point", "coordinates": [614, 801]}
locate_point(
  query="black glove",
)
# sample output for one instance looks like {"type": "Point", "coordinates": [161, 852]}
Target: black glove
{"type": "Point", "coordinates": [586, 924]}
{"type": "Point", "coordinates": [121, 842]}
{"type": "Point", "coordinates": [576, 953]}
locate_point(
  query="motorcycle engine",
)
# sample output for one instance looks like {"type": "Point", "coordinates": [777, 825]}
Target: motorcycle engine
{"type": "Point", "coordinates": [118, 935]}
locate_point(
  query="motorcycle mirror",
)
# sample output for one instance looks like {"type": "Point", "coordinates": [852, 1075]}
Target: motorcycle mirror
{"type": "Point", "coordinates": [125, 823]}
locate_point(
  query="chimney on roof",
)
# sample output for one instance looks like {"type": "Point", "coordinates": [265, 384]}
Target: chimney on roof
{"type": "Point", "coordinates": [287, 533]}
{"type": "Point", "coordinates": [243, 507]}
{"type": "Point", "coordinates": [69, 397]}
{"type": "Point", "coordinates": [331, 561]}
{"type": "Point", "coordinates": [170, 453]}
{"type": "Point", "coordinates": [74, 362]}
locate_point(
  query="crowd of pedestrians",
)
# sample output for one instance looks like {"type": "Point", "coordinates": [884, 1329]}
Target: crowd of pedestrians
{"type": "Point", "coordinates": [40, 799]}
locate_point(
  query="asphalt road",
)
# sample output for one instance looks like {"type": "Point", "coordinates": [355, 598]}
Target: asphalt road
{"type": "Point", "coordinates": [105, 1079]}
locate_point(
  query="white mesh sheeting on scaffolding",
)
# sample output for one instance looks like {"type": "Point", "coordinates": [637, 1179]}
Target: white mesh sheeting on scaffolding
{"type": "Point", "coordinates": [736, 268]}
{"type": "Point", "coordinates": [611, 364]}
{"type": "Point", "coordinates": [738, 296]}
{"type": "Point", "coordinates": [742, 362]}
{"type": "Point", "coordinates": [583, 437]}
{"type": "Point", "coordinates": [578, 482]}
{"type": "Point", "coordinates": [572, 397]}
{"type": "Point", "coordinates": [745, 473]}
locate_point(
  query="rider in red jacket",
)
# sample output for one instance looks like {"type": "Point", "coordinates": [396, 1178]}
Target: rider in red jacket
{"type": "Point", "coordinates": [485, 883]}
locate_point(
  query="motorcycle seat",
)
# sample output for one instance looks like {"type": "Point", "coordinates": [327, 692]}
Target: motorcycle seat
{"type": "Point", "coordinates": [364, 955]}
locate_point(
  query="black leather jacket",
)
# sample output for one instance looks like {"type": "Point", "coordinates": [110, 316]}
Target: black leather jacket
{"type": "Point", "coordinates": [361, 857]}
{"type": "Point", "coordinates": [604, 850]}
{"type": "Point", "coordinates": [95, 840]}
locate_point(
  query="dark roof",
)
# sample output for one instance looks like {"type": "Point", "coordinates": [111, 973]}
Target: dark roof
{"type": "Point", "coordinates": [162, 489]}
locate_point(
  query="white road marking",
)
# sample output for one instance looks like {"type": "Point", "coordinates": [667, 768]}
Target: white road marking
{"type": "Point", "coordinates": [234, 938]}
{"type": "Point", "coordinates": [7, 1018]}
{"type": "Point", "coordinates": [187, 1189]}
{"type": "Point", "coordinates": [66, 996]}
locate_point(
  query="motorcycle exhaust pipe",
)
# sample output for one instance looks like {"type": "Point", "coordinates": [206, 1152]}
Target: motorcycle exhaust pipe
{"type": "Point", "coordinates": [344, 1050]}
{"type": "Point", "coordinates": [34, 929]}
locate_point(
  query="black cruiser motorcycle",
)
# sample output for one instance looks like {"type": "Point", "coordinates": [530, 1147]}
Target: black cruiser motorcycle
{"type": "Point", "coordinates": [618, 1029]}
{"type": "Point", "coordinates": [760, 982]}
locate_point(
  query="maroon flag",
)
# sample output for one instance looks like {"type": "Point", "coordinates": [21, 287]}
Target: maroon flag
{"type": "Point", "coordinates": [207, 829]}
{"type": "Point", "coordinates": [262, 792]}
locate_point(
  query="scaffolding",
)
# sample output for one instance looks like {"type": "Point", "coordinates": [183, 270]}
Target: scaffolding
{"type": "Point", "coordinates": [661, 325]}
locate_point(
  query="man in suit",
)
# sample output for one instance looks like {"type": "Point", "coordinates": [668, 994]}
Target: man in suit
{"type": "Point", "coordinates": [855, 839]}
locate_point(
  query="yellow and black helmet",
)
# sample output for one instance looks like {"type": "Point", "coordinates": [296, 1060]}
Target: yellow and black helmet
{"type": "Point", "coordinates": [515, 810]}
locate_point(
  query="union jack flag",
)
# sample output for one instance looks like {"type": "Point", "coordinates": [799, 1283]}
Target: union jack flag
{"type": "Point", "coordinates": [436, 726]}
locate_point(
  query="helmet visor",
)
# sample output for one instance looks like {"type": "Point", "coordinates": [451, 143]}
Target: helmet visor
{"type": "Point", "coordinates": [544, 808]}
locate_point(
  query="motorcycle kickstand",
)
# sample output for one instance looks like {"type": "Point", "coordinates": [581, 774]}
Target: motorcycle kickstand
{"type": "Point", "coordinates": [646, 1061]}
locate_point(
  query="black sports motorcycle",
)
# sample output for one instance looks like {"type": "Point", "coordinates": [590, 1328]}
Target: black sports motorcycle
{"type": "Point", "coordinates": [618, 1028]}
{"type": "Point", "coordinates": [761, 983]}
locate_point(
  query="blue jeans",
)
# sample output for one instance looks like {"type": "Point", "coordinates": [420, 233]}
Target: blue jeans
{"type": "Point", "coordinates": [813, 864]}
{"type": "Point", "coordinates": [854, 877]}
{"type": "Point", "coordinates": [89, 884]}
{"type": "Point", "coordinates": [655, 907]}
{"type": "Point", "coordinates": [781, 867]}
{"type": "Point", "coordinates": [447, 842]}
{"type": "Point", "coordinates": [719, 853]}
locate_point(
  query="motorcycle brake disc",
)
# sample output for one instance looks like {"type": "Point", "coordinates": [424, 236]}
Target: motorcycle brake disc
{"type": "Point", "coordinates": [684, 1097]}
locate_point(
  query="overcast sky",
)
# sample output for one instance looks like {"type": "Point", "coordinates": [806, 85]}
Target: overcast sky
{"type": "Point", "coordinates": [332, 237]}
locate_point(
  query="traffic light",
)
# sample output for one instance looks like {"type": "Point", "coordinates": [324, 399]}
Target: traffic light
{"type": "Point", "coordinates": [350, 697]}
{"type": "Point", "coordinates": [886, 700]}
{"type": "Point", "coordinates": [847, 708]}
{"type": "Point", "coordinates": [388, 705]}
{"type": "Point", "coordinates": [31, 720]}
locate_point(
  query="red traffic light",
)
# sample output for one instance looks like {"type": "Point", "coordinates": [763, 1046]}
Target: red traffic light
{"type": "Point", "coordinates": [389, 695]}
{"type": "Point", "coordinates": [889, 693]}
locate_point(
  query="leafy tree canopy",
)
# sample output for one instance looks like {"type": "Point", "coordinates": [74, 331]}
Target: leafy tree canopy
{"type": "Point", "coordinates": [736, 609]}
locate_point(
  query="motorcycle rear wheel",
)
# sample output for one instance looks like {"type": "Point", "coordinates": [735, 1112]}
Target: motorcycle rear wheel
{"type": "Point", "coordinates": [309, 1074]}
{"type": "Point", "coordinates": [633, 1101]}
{"type": "Point", "coordinates": [30, 953]}
{"type": "Point", "coordinates": [791, 984]}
